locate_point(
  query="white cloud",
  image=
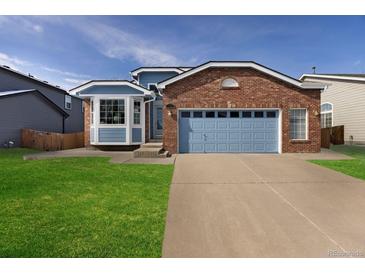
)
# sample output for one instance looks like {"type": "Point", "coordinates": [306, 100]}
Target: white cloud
{"type": "Point", "coordinates": [75, 81]}
{"type": "Point", "coordinates": [12, 61]}
{"type": "Point", "coordinates": [21, 23]}
{"type": "Point", "coordinates": [116, 43]}
{"type": "Point", "coordinates": [66, 73]}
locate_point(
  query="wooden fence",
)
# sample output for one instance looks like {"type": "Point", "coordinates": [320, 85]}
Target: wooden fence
{"type": "Point", "coordinates": [332, 135]}
{"type": "Point", "coordinates": [50, 140]}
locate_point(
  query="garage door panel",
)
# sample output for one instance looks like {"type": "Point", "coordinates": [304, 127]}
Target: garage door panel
{"type": "Point", "coordinates": [197, 125]}
{"type": "Point", "coordinates": [234, 124]}
{"type": "Point", "coordinates": [223, 134]}
{"type": "Point", "coordinates": [222, 124]}
{"type": "Point", "coordinates": [234, 136]}
{"type": "Point", "coordinates": [209, 124]}
{"type": "Point", "coordinates": [210, 147]}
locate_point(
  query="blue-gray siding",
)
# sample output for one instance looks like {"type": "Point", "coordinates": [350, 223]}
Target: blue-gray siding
{"type": "Point", "coordinates": [154, 77]}
{"type": "Point", "coordinates": [111, 90]}
{"type": "Point", "coordinates": [113, 135]}
{"type": "Point", "coordinates": [207, 135]}
{"type": "Point", "coordinates": [13, 81]}
{"type": "Point", "coordinates": [28, 110]}
{"type": "Point", "coordinates": [136, 135]}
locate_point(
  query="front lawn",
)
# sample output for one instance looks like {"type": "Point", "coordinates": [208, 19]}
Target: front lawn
{"type": "Point", "coordinates": [354, 167]}
{"type": "Point", "coordinates": [81, 207]}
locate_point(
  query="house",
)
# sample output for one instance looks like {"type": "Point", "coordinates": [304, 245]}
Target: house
{"type": "Point", "coordinates": [213, 107]}
{"type": "Point", "coordinates": [27, 102]}
{"type": "Point", "coordinates": [342, 103]}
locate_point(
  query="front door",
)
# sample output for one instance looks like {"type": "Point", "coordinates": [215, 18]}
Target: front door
{"type": "Point", "coordinates": [157, 119]}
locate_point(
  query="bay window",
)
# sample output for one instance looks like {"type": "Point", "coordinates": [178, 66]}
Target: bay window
{"type": "Point", "coordinates": [112, 112]}
{"type": "Point", "coordinates": [298, 124]}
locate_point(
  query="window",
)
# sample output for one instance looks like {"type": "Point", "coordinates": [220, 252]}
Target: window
{"type": "Point", "coordinates": [298, 124]}
{"type": "Point", "coordinates": [112, 112]}
{"type": "Point", "coordinates": [271, 114]}
{"type": "Point", "coordinates": [68, 102]}
{"type": "Point", "coordinates": [210, 114]}
{"type": "Point", "coordinates": [326, 115]}
{"type": "Point", "coordinates": [92, 111]}
{"type": "Point", "coordinates": [234, 114]}
{"type": "Point", "coordinates": [222, 114]}
{"type": "Point", "coordinates": [136, 112]}
{"type": "Point", "coordinates": [229, 83]}
{"type": "Point", "coordinates": [185, 114]}
{"type": "Point", "coordinates": [259, 114]}
{"type": "Point", "coordinates": [197, 114]}
{"type": "Point", "coordinates": [246, 114]}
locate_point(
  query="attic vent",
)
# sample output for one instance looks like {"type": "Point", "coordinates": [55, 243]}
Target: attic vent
{"type": "Point", "coordinates": [229, 83]}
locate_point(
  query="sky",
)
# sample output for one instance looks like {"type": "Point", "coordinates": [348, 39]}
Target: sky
{"type": "Point", "coordinates": [70, 50]}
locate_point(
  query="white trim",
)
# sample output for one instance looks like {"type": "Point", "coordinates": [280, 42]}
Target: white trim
{"type": "Point", "coordinates": [109, 83]}
{"type": "Point", "coordinates": [306, 125]}
{"type": "Point", "coordinates": [156, 69]}
{"type": "Point", "coordinates": [230, 109]}
{"type": "Point", "coordinates": [324, 76]}
{"type": "Point", "coordinates": [258, 67]}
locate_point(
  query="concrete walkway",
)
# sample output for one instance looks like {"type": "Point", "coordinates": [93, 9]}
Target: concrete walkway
{"type": "Point", "coordinates": [246, 205]}
{"type": "Point", "coordinates": [117, 157]}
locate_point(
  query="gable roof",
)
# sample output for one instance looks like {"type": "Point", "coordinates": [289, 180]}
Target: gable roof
{"type": "Point", "coordinates": [31, 78]}
{"type": "Point", "coordinates": [45, 98]}
{"type": "Point", "coordinates": [179, 70]}
{"type": "Point", "coordinates": [241, 64]}
{"type": "Point", "coordinates": [110, 83]}
{"type": "Point", "coordinates": [343, 76]}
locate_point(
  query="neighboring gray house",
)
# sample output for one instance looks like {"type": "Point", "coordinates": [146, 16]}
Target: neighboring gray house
{"type": "Point", "coordinates": [27, 102]}
{"type": "Point", "coordinates": [342, 103]}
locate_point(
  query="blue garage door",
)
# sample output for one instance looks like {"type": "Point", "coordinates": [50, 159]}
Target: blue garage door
{"type": "Point", "coordinates": [205, 131]}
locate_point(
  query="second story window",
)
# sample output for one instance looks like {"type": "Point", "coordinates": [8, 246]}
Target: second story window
{"type": "Point", "coordinates": [68, 102]}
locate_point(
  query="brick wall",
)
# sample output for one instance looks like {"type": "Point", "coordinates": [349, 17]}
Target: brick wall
{"type": "Point", "coordinates": [87, 122]}
{"type": "Point", "coordinates": [256, 90]}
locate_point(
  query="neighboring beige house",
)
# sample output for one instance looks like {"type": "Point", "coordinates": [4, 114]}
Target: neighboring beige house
{"type": "Point", "coordinates": [342, 103]}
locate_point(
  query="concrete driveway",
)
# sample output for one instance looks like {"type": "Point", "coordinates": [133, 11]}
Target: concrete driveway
{"type": "Point", "coordinates": [244, 205]}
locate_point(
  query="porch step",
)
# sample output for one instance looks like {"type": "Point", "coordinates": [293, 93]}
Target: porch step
{"type": "Point", "coordinates": [152, 145]}
{"type": "Point", "coordinates": [150, 150]}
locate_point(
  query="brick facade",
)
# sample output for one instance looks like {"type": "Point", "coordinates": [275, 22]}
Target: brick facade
{"type": "Point", "coordinates": [256, 90]}
{"type": "Point", "coordinates": [87, 122]}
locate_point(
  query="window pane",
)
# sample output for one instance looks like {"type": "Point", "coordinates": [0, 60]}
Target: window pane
{"type": "Point", "coordinates": [137, 112]}
{"type": "Point", "coordinates": [234, 114]}
{"type": "Point", "coordinates": [297, 123]}
{"type": "Point", "coordinates": [112, 111]}
{"type": "Point", "coordinates": [326, 107]}
{"type": "Point", "coordinates": [246, 114]}
{"type": "Point", "coordinates": [197, 114]}
{"type": "Point", "coordinates": [222, 114]}
{"type": "Point", "coordinates": [185, 114]}
{"type": "Point", "coordinates": [271, 114]}
{"type": "Point", "coordinates": [210, 114]}
{"type": "Point", "coordinates": [259, 114]}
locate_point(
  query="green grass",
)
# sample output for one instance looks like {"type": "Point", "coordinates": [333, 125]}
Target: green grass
{"type": "Point", "coordinates": [81, 207]}
{"type": "Point", "coordinates": [354, 167]}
